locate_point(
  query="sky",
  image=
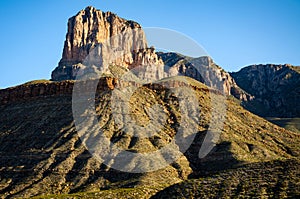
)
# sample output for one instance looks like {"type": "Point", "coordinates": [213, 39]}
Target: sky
{"type": "Point", "coordinates": [235, 33]}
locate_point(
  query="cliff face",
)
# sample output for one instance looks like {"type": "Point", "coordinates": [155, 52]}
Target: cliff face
{"type": "Point", "coordinates": [276, 89]}
{"type": "Point", "coordinates": [40, 89]}
{"type": "Point", "coordinates": [95, 40]}
{"type": "Point", "coordinates": [90, 28]}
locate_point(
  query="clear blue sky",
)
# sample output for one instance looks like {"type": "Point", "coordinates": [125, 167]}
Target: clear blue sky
{"type": "Point", "coordinates": [234, 33]}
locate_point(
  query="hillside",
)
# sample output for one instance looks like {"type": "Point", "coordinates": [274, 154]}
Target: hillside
{"type": "Point", "coordinates": [41, 152]}
{"type": "Point", "coordinates": [275, 179]}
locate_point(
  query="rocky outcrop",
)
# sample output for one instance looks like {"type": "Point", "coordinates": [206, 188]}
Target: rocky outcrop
{"type": "Point", "coordinates": [44, 89]}
{"type": "Point", "coordinates": [147, 65]}
{"type": "Point", "coordinates": [204, 70]}
{"type": "Point", "coordinates": [91, 26]}
{"type": "Point", "coordinates": [33, 90]}
{"type": "Point", "coordinates": [276, 89]}
{"type": "Point", "coordinates": [96, 40]}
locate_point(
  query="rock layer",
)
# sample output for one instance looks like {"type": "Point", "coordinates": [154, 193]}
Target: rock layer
{"type": "Point", "coordinates": [32, 90]}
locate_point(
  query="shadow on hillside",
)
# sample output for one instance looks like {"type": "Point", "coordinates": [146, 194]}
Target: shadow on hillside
{"type": "Point", "coordinates": [218, 159]}
{"type": "Point", "coordinates": [107, 175]}
{"type": "Point", "coordinates": [253, 180]}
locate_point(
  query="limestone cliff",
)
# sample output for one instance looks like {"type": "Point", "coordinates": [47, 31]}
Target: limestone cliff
{"type": "Point", "coordinates": [96, 40]}
{"type": "Point", "coordinates": [42, 151]}
{"type": "Point", "coordinates": [88, 29]}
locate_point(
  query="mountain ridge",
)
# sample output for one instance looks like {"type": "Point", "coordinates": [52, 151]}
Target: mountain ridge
{"type": "Point", "coordinates": [275, 89]}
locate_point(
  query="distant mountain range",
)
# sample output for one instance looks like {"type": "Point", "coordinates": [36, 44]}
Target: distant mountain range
{"type": "Point", "coordinates": [43, 153]}
{"type": "Point", "coordinates": [276, 89]}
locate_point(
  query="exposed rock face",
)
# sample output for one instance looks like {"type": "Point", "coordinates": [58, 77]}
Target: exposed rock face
{"type": "Point", "coordinates": [147, 65]}
{"type": "Point", "coordinates": [96, 40]}
{"type": "Point", "coordinates": [30, 91]}
{"type": "Point", "coordinates": [204, 70]}
{"type": "Point", "coordinates": [276, 89]}
{"type": "Point", "coordinates": [88, 29]}
{"type": "Point", "coordinates": [34, 90]}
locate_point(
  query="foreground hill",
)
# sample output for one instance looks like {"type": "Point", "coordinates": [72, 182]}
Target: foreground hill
{"type": "Point", "coordinates": [275, 179]}
{"type": "Point", "coordinates": [41, 152]}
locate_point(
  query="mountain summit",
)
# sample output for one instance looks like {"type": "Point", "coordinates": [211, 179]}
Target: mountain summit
{"type": "Point", "coordinates": [90, 29]}
{"type": "Point", "coordinates": [102, 39]}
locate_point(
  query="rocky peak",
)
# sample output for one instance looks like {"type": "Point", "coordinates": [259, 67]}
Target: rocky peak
{"type": "Point", "coordinates": [91, 27]}
{"type": "Point", "coordinates": [102, 39]}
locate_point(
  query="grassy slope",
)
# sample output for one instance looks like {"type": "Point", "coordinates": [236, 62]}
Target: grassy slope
{"type": "Point", "coordinates": [41, 153]}
{"type": "Point", "coordinates": [276, 179]}
{"type": "Point", "coordinates": [292, 124]}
